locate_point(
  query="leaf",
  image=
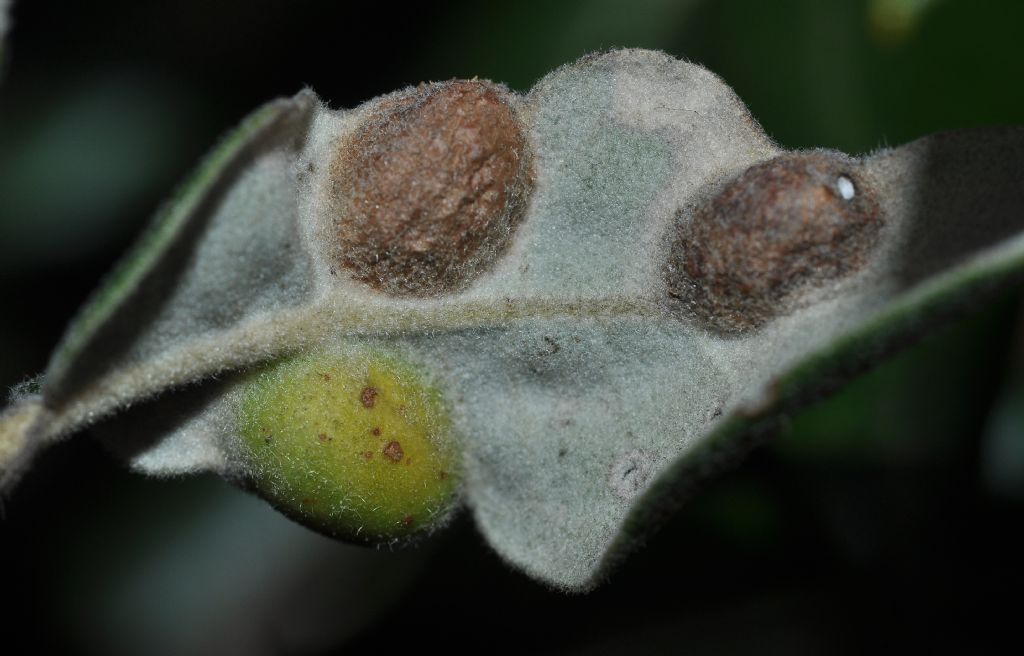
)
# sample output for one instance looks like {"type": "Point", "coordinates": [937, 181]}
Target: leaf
{"type": "Point", "coordinates": [610, 306]}
{"type": "Point", "coordinates": [191, 250]}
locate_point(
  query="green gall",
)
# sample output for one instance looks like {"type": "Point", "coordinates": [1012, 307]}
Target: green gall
{"type": "Point", "coordinates": [354, 443]}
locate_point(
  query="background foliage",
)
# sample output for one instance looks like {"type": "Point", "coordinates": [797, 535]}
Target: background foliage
{"type": "Point", "coordinates": [885, 516]}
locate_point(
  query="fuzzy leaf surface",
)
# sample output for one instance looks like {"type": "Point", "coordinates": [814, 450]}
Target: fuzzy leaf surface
{"type": "Point", "coordinates": [584, 401]}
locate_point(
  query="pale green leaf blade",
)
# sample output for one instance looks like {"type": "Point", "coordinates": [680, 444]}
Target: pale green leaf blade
{"type": "Point", "coordinates": [207, 239]}
{"type": "Point", "coordinates": [191, 205]}
{"type": "Point", "coordinates": [585, 397]}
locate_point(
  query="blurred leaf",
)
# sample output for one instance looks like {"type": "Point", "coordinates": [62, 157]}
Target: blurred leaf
{"type": "Point", "coordinates": [487, 40]}
{"type": "Point", "coordinates": [70, 169]}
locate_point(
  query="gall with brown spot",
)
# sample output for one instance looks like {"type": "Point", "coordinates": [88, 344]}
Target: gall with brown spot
{"type": "Point", "coordinates": [368, 397]}
{"type": "Point", "coordinates": [393, 451]}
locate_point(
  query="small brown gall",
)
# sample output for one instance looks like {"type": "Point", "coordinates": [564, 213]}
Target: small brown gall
{"type": "Point", "coordinates": [428, 188]}
{"type": "Point", "coordinates": [393, 451]}
{"type": "Point", "coordinates": [781, 228]}
{"type": "Point", "coordinates": [368, 397]}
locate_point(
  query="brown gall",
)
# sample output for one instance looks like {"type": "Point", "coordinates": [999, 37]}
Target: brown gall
{"type": "Point", "coordinates": [428, 189]}
{"type": "Point", "coordinates": [781, 228]}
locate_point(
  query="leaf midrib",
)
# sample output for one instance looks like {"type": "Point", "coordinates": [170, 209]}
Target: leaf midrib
{"type": "Point", "coordinates": [273, 333]}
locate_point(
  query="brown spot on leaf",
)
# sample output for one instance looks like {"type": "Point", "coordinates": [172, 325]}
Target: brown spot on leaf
{"type": "Point", "coordinates": [368, 455]}
{"type": "Point", "coordinates": [368, 397]}
{"type": "Point", "coordinates": [442, 475]}
{"type": "Point", "coordinates": [781, 228]}
{"type": "Point", "coordinates": [393, 451]}
{"type": "Point", "coordinates": [552, 347]}
{"type": "Point", "coordinates": [376, 431]}
{"type": "Point", "coordinates": [324, 438]}
{"type": "Point", "coordinates": [429, 185]}
{"type": "Point", "coordinates": [407, 520]}
{"type": "Point", "coordinates": [308, 501]}
{"type": "Point", "coordinates": [326, 376]}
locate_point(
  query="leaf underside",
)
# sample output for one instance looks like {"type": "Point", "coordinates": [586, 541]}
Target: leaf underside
{"type": "Point", "coordinates": [584, 403]}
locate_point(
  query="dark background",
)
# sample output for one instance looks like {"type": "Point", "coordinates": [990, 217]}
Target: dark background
{"type": "Point", "coordinates": [884, 518]}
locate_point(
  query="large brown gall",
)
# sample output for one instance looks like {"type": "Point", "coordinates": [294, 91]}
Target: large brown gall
{"type": "Point", "coordinates": [781, 228]}
{"type": "Point", "coordinates": [427, 190]}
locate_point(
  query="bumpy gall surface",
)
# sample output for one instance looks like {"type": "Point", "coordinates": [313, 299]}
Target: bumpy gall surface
{"type": "Point", "coordinates": [782, 227]}
{"type": "Point", "coordinates": [430, 185]}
